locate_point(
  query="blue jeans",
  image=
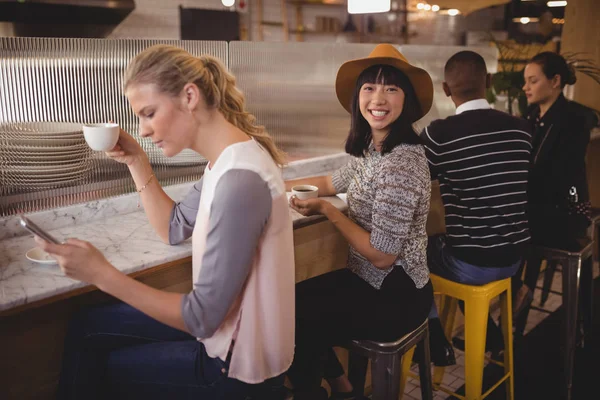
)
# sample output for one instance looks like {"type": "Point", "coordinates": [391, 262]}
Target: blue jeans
{"type": "Point", "coordinates": [442, 263]}
{"type": "Point", "coordinates": [118, 352]}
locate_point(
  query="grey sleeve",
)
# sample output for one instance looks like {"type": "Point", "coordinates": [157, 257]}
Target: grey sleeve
{"type": "Point", "coordinates": [342, 177]}
{"type": "Point", "coordinates": [239, 212]}
{"type": "Point", "coordinates": [183, 215]}
{"type": "Point", "coordinates": [400, 188]}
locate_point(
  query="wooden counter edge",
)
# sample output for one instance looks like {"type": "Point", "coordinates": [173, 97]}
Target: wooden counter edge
{"type": "Point", "coordinates": [140, 275]}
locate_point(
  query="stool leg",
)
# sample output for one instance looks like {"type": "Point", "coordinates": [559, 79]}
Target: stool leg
{"type": "Point", "coordinates": [476, 315]}
{"type": "Point", "coordinates": [406, 364]}
{"type": "Point", "coordinates": [447, 315]}
{"type": "Point", "coordinates": [586, 292]}
{"type": "Point", "coordinates": [425, 369]}
{"type": "Point", "coordinates": [357, 372]}
{"type": "Point", "coordinates": [548, 277]}
{"type": "Point", "coordinates": [385, 376]}
{"type": "Point", "coordinates": [506, 312]}
{"type": "Point", "coordinates": [570, 289]}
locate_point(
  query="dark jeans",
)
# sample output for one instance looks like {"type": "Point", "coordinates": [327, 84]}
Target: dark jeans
{"type": "Point", "coordinates": [339, 306]}
{"type": "Point", "coordinates": [117, 352]}
{"type": "Point", "coordinates": [442, 263]}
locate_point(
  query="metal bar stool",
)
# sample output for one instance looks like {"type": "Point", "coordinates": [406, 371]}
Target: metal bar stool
{"type": "Point", "coordinates": [386, 364]}
{"type": "Point", "coordinates": [552, 267]}
{"type": "Point", "coordinates": [477, 305]}
{"type": "Point", "coordinates": [577, 269]}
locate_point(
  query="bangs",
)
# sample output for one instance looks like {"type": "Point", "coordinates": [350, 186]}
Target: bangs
{"type": "Point", "coordinates": [383, 75]}
{"type": "Point", "coordinates": [401, 130]}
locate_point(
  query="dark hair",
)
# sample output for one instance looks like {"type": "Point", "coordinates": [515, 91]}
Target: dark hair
{"type": "Point", "coordinates": [466, 58]}
{"type": "Point", "coordinates": [401, 130]}
{"type": "Point", "coordinates": [554, 64]}
{"type": "Point", "coordinates": [465, 72]}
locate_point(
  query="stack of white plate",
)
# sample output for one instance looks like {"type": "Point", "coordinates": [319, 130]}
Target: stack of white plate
{"type": "Point", "coordinates": [43, 155]}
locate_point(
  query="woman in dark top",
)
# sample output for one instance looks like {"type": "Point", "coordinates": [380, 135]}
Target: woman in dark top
{"type": "Point", "coordinates": [559, 207]}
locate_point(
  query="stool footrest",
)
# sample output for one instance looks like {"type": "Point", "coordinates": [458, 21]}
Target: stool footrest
{"type": "Point", "coordinates": [437, 386]}
{"type": "Point", "coordinates": [498, 383]}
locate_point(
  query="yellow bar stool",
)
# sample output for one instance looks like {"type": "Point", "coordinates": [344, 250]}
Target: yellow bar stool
{"type": "Point", "coordinates": [477, 304]}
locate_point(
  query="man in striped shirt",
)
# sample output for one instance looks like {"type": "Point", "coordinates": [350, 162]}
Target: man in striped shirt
{"type": "Point", "coordinates": [480, 157]}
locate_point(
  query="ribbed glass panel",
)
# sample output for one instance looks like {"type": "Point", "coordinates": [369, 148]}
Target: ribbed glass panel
{"type": "Point", "coordinates": [290, 88]}
{"type": "Point", "coordinates": [73, 81]}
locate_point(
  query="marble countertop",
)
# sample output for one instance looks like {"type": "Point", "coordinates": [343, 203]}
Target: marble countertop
{"type": "Point", "coordinates": [118, 228]}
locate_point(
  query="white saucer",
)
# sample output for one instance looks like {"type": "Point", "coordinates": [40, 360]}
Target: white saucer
{"type": "Point", "coordinates": [39, 256]}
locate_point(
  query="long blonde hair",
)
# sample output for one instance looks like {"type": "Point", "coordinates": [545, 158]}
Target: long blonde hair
{"type": "Point", "coordinates": [171, 68]}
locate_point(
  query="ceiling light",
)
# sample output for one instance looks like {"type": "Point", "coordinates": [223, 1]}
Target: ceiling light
{"type": "Point", "coordinates": [420, 6]}
{"type": "Point", "coordinates": [228, 3]}
{"type": "Point", "coordinates": [453, 12]}
{"type": "Point", "coordinates": [526, 20]}
{"type": "Point", "coordinates": [557, 3]}
{"type": "Point", "coordinates": [435, 8]}
{"type": "Point", "coordinates": [368, 7]}
{"type": "Point", "coordinates": [427, 7]}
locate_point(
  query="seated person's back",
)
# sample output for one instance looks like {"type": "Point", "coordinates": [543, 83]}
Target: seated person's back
{"type": "Point", "coordinates": [480, 158]}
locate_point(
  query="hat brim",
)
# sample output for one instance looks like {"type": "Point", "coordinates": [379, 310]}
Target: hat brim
{"type": "Point", "coordinates": [350, 71]}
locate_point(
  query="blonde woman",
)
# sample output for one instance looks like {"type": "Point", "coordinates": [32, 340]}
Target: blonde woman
{"type": "Point", "coordinates": [160, 345]}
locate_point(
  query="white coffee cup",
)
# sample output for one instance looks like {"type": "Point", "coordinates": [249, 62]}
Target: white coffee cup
{"type": "Point", "coordinates": [101, 137]}
{"type": "Point", "coordinates": [304, 192]}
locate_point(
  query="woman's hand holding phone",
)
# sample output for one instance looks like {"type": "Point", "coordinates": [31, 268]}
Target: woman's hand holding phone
{"type": "Point", "coordinates": [79, 260]}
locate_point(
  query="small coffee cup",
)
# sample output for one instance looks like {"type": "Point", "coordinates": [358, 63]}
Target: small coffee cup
{"type": "Point", "coordinates": [304, 192]}
{"type": "Point", "coordinates": [101, 137]}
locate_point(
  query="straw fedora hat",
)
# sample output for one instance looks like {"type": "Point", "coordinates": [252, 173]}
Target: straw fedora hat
{"type": "Point", "coordinates": [388, 55]}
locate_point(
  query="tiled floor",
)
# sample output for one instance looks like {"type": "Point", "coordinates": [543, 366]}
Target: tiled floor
{"type": "Point", "coordinates": [454, 375]}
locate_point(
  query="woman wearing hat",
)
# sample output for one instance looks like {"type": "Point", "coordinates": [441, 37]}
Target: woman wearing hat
{"type": "Point", "coordinates": [384, 292]}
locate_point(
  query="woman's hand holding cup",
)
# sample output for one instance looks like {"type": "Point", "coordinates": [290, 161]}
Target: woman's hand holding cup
{"type": "Point", "coordinates": [127, 150]}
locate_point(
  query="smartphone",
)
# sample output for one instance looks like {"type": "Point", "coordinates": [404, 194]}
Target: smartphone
{"type": "Point", "coordinates": [36, 230]}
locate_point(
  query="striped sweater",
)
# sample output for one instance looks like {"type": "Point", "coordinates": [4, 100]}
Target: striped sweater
{"type": "Point", "coordinates": [481, 159]}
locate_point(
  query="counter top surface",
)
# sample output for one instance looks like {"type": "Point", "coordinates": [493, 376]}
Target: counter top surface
{"type": "Point", "coordinates": [124, 236]}
{"type": "Point", "coordinates": [128, 241]}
